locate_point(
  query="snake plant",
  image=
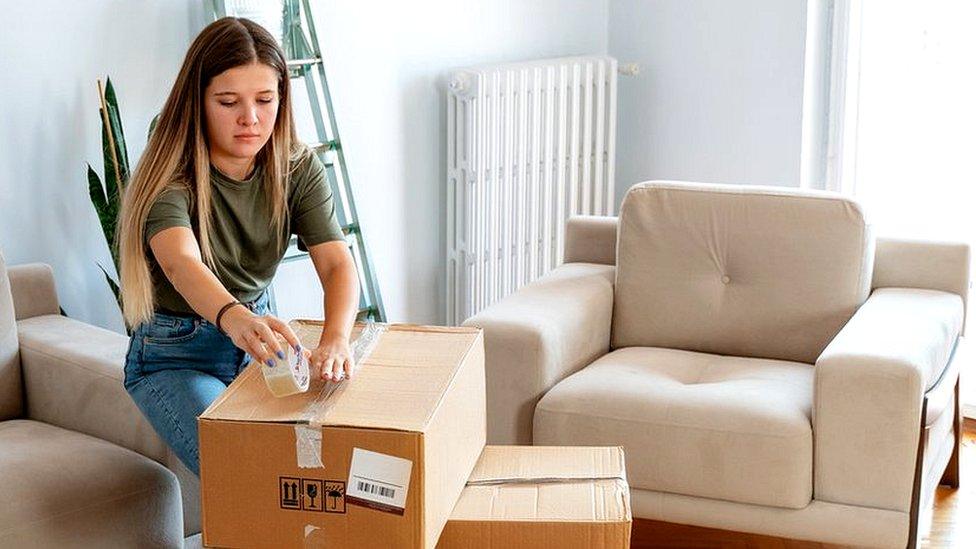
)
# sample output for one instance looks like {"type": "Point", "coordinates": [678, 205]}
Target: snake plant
{"type": "Point", "coordinates": [107, 197]}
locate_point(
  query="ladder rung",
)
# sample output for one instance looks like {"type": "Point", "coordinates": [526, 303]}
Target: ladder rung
{"type": "Point", "coordinates": [327, 146]}
{"type": "Point", "coordinates": [303, 62]}
{"type": "Point", "coordinates": [365, 312]}
{"type": "Point", "coordinates": [352, 228]}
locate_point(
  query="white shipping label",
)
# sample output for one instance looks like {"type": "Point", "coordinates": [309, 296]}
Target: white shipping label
{"type": "Point", "coordinates": [378, 481]}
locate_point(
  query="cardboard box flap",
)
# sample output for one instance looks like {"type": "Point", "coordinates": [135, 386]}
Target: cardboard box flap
{"type": "Point", "coordinates": [571, 501]}
{"type": "Point", "coordinates": [407, 372]}
{"type": "Point", "coordinates": [546, 484]}
{"type": "Point", "coordinates": [537, 464]}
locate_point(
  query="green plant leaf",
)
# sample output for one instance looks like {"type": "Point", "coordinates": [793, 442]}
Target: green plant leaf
{"type": "Point", "coordinates": [120, 148]}
{"type": "Point", "coordinates": [110, 240]}
{"type": "Point", "coordinates": [117, 161]}
{"type": "Point", "coordinates": [109, 278]}
{"type": "Point", "coordinates": [106, 218]}
{"type": "Point", "coordinates": [152, 126]}
{"type": "Point", "coordinates": [116, 121]}
{"type": "Point", "coordinates": [114, 193]}
{"type": "Point", "coordinates": [111, 171]}
{"type": "Point", "coordinates": [97, 194]}
{"type": "Point", "coordinates": [113, 285]}
{"type": "Point", "coordinates": [110, 98]}
{"type": "Point", "coordinates": [107, 198]}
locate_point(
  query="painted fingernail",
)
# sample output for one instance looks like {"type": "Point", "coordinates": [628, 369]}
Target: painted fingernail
{"type": "Point", "coordinates": [270, 363]}
{"type": "Point", "coordinates": [281, 355]}
{"type": "Point", "coordinates": [298, 348]}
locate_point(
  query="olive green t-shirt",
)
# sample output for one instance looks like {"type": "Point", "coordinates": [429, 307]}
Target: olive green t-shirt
{"type": "Point", "coordinates": [245, 247]}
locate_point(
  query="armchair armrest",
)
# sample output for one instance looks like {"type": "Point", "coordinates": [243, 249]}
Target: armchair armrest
{"type": "Point", "coordinates": [591, 239]}
{"type": "Point", "coordinates": [73, 375]}
{"type": "Point", "coordinates": [869, 385]}
{"type": "Point", "coordinates": [33, 290]}
{"type": "Point", "coordinates": [904, 263]}
{"type": "Point", "coordinates": [537, 336]}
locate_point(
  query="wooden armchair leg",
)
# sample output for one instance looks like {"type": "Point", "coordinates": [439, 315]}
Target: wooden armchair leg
{"type": "Point", "coordinates": [913, 540]}
{"type": "Point", "coordinates": [951, 475]}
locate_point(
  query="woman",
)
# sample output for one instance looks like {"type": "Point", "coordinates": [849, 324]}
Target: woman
{"type": "Point", "coordinates": [205, 221]}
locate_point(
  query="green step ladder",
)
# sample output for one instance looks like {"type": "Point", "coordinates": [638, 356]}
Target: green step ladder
{"type": "Point", "coordinates": [301, 46]}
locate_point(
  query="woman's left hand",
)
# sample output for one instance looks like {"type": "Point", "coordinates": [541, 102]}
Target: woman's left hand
{"type": "Point", "coordinates": [332, 360]}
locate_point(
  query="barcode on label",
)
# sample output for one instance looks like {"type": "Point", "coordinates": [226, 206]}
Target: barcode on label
{"type": "Point", "coordinates": [379, 481]}
{"type": "Point", "coordinates": [375, 489]}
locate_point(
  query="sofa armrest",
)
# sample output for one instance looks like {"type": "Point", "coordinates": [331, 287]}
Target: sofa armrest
{"type": "Point", "coordinates": [73, 375]}
{"type": "Point", "coordinates": [869, 385]}
{"type": "Point", "coordinates": [537, 336]}
{"type": "Point", "coordinates": [33, 290]}
{"type": "Point", "coordinates": [591, 239]}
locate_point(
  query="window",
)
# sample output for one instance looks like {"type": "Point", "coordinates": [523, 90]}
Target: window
{"type": "Point", "coordinates": [902, 123]}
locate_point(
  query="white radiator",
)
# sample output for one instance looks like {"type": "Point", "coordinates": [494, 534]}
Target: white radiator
{"type": "Point", "coordinates": [529, 144]}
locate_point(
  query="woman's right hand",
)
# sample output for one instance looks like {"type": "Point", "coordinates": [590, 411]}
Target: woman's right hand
{"type": "Point", "coordinates": [257, 335]}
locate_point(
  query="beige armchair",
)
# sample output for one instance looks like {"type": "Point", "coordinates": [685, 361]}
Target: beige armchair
{"type": "Point", "coordinates": [79, 465]}
{"type": "Point", "coordinates": [768, 365]}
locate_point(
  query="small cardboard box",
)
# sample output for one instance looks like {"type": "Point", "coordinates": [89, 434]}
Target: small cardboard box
{"type": "Point", "coordinates": [380, 465]}
{"type": "Point", "coordinates": [543, 496]}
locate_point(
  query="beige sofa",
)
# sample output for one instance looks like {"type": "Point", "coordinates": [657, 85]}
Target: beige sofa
{"type": "Point", "coordinates": [79, 465]}
{"type": "Point", "coordinates": [768, 365]}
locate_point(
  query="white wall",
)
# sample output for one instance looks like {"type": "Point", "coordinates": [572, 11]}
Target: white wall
{"type": "Point", "coordinates": [51, 54]}
{"type": "Point", "coordinates": [386, 64]}
{"type": "Point", "coordinates": [720, 93]}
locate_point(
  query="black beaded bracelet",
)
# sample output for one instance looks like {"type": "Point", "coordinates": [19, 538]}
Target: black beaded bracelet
{"type": "Point", "coordinates": [222, 311]}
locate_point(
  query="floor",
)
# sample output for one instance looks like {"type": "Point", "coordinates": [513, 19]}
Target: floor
{"type": "Point", "coordinates": [952, 523]}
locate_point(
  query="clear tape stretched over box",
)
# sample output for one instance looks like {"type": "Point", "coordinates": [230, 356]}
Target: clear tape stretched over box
{"type": "Point", "coordinates": [308, 431]}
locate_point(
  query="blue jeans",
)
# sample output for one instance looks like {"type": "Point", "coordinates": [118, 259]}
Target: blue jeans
{"type": "Point", "coordinates": [175, 367]}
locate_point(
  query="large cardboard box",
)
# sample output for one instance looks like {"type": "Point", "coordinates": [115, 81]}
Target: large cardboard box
{"type": "Point", "coordinates": [380, 465]}
{"type": "Point", "coordinates": [543, 496]}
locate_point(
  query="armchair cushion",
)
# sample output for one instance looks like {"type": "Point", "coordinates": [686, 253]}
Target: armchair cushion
{"type": "Point", "coordinates": [741, 271]}
{"type": "Point", "coordinates": [692, 423]}
{"type": "Point", "coordinates": [66, 489]}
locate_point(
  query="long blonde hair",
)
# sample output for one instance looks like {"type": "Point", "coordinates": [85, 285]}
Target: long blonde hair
{"type": "Point", "coordinates": [177, 153]}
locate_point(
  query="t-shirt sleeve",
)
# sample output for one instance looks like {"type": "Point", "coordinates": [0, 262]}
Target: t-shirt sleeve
{"type": "Point", "coordinates": [170, 209]}
{"type": "Point", "coordinates": [313, 213]}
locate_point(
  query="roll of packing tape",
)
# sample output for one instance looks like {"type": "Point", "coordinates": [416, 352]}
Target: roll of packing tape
{"type": "Point", "coordinates": [288, 376]}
